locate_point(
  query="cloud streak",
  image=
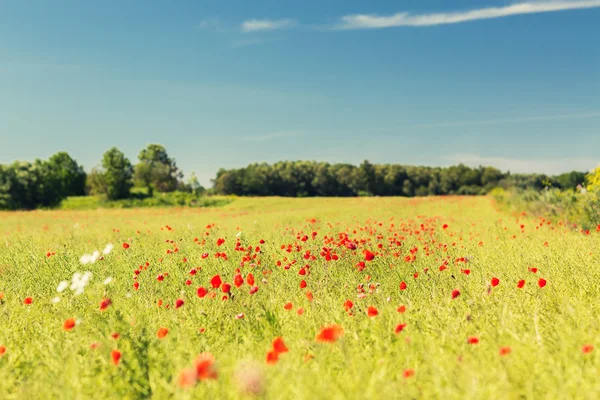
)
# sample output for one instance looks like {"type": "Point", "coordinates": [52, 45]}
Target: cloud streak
{"type": "Point", "coordinates": [261, 25]}
{"type": "Point", "coordinates": [372, 21]}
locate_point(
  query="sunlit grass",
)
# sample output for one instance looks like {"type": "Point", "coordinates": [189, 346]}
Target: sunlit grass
{"type": "Point", "coordinates": [545, 328]}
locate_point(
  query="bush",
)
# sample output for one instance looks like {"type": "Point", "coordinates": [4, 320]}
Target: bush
{"type": "Point", "coordinates": [173, 199]}
{"type": "Point", "coordinates": [579, 207]}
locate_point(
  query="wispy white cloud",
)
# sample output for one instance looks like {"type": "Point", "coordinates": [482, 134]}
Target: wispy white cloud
{"type": "Point", "coordinates": [274, 135]}
{"type": "Point", "coordinates": [529, 165]}
{"type": "Point", "coordinates": [258, 25]}
{"type": "Point", "coordinates": [372, 21]}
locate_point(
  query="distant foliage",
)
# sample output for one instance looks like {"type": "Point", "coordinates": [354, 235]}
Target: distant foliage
{"type": "Point", "coordinates": [172, 199]}
{"type": "Point", "coordinates": [593, 180]}
{"type": "Point", "coordinates": [71, 175]}
{"type": "Point", "coordinates": [306, 178]}
{"type": "Point", "coordinates": [30, 185]}
{"type": "Point", "coordinates": [156, 170]}
{"type": "Point", "coordinates": [26, 186]}
{"type": "Point", "coordinates": [575, 208]}
{"type": "Point", "coordinates": [117, 174]}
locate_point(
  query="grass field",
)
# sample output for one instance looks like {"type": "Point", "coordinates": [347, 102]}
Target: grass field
{"type": "Point", "coordinates": [463, 338]}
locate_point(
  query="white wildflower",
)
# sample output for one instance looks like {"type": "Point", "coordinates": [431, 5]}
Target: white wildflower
{"type": "Point", "coordinates": [108, 280]}
{"type": "Point", "coordinates": [56, 299]}
{"type": "Point", "coordinates": [108, 248]}
{"type": "Point", "coordinates": [62, 286]}
{"type": "Point", "coordinates": [239, 234]}
{"type": "Point", "coordinates": [90, 258]}
{"type": "Point", "coordinates": [80, 281]}
{"type": "Point", "coordinates": [95, 256]}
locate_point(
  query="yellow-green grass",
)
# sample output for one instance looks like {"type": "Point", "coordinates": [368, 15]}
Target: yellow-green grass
{"type": "Point", "coordinates": [545, 328]}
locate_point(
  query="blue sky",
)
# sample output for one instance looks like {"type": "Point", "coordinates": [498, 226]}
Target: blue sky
{"type": "Point", "coordinates": [225, 83]}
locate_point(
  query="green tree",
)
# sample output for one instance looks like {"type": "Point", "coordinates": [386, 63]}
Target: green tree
{"type": "Point", "coordinates": [95, 183]}
{"type": "Point", "coordinates": [156, 170]}
{"type": "Point", "coordinates": [70, 175]}
{"type": "Point", "coordinates": [194, 185]}
{"type": "Point", "coordinates": [117, 174]}
{"type": "Point", "coordinates": [25, 185]}
{"type": "Point", "coordinates": [570, 180]}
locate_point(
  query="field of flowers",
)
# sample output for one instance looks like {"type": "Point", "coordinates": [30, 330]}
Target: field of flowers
{"type": "Point", "coordinates": [299, 299]}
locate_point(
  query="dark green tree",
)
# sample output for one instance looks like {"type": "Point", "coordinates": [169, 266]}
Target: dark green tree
{"type": "Point", "coordinates": [117, 174]}
{"type": "Point", "coordinates": [70, 175]}
{"type": "Point", "coordinates": [156, 170]}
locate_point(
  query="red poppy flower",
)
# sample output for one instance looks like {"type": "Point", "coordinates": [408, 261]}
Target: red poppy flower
{"type": "Point", "coordinates": [104, 304]}
{"type": "Point", "coordinates": [279, 346]}
{"type": "Point", "coordinates": [369, 256]}
{"type": "Point", "coordinates": [348, 305]}
{"type": "Point", "coordinates": [272, 357]}
{"type": "Point", "coordinates": [28, 300]}
{"type": "Point", "coordinates": [309, 295]}
{"type": "Point", "coordinates": [401, 309]}
{"type": "Point", "coordinates": [330, 334]}
{"type": "Point", "coordinates": [115, 356]}
{"type": "Point", "coordinates": [302, 284]}
{"type": "Point", "coordinates": [250, 280]}
{"type": "Point", "coordinates": [402, 285]}
{"type": "Point", "coordinates": [216, 281]}
{"type": "Point", "coordinates": [408, 373]}
{"type": "Point", "coordinates": [399, 328]}
{"type": "Point", "coordinates": [238, 280]}
{"type": "Point", "coordinates": [115, 335]}
{"type": "Point", "coordinates": [201, 292]}
{"type": "Point", "coordinates": [465, 271]}
{"type": "Point", "coordinates": [300, 311]}
{"type": "Point", "coordinates": [136, 285]}
{"type": "Point", "coordinates": [372, 311]}
{"type": "Point", "coordinates": [521, 284]}
{"type": "Point", "coordinates": [455, 293]}
{"type": "Point", "coordinates": [205, 368]}
{"type": "Point", "coordinates": [495, 282]}
{"type": "Point", "coordinates": [69, 324]}
{"type": "Point", "coordinates": [541, 282]}
{"type": "Point", "coordinates": [125, 245]}
{"type": "Point", "coordinates": [225, 287]}
{"type": "Point", "coordinates": [587, 348]}
{"type": "Point", "coordinates": [179, 303]}
{"type": "Point", "coordinates": [473, 340]}
{"type": "Point", "coordinates": [2, 350]}
{"type": "Point", "coordinates": [504, 350]}
{"type": "Point", "coordinates": [162, 333]}
{"type": "Point", "coordinates": [288, 306]}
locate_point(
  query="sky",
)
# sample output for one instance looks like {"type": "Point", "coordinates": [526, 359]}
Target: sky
{"type": "Point", "coordinates": [224, 83]}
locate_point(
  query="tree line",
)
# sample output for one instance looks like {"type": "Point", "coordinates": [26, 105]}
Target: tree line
{"type": "Point", "coordinates": [45, 183]}
{"type": "Point", "coordinates": [311, 178]}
